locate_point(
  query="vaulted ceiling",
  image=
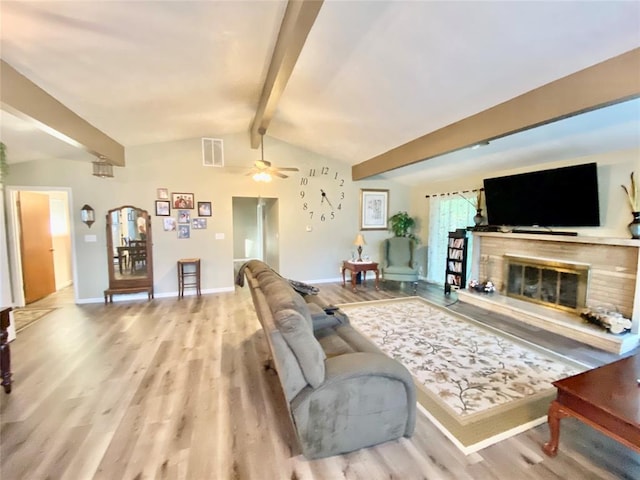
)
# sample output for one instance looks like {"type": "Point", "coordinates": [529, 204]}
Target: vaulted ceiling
{"type": "Point", "coordinates": [372, 75]}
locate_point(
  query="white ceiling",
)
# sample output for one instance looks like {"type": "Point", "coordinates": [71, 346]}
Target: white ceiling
{"type": "Point", "coordinates": [373, 74]}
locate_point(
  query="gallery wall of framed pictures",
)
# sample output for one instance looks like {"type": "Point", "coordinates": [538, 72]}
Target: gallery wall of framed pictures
{"type": "Point", "coordinates": [182, 220]}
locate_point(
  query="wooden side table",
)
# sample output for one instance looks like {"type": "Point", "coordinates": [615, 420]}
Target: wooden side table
{"type": "Point", "coordinates": [605, 398]}
{"type": "Point", "coordinates": [355, 268]}
{"type": "Point", "coordinates": [188, 277]}
{"type": "Point", "coordinates": [5, 351]}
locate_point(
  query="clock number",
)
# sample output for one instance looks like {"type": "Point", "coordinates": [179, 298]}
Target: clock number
{"type": "Point", "coordinates": [304, 181]}
{"type": "Point", "coordinates": [339, 206]}
{"type": "Point", "coordinates": [311, 214]}
{"type": "Point", "coordinates": [342, 182]}
{"type": "Point", "coordinates": [302, 194]}
{"type": "Point", "coordinates": [322, 217]}
{"type": "Point", "coordinates": [324, 171]}
{"type": "Point", "coordinates": [305, 206]}
{"type": "Point", "coordinates": [341, 195]}
{"type": "Point", "coordinates": [335, 177]}
{"type": "Point", "coordinates": [333, 215]}
{"type": "Point", "coordinates": [312, 172]}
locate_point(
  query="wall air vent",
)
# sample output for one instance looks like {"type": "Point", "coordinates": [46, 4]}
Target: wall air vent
{"type": "Point", "coordinates": [212, 152]}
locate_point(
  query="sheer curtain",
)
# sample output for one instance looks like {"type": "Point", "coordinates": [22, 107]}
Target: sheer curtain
{"type": "Point", "coordinates": [446, 214]}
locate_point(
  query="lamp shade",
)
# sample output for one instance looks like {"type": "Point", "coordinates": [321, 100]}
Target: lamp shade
{"type": "Point", "coordinates": [359, 241]}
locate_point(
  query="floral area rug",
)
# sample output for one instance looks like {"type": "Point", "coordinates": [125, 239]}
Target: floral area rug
{"type": "Point", "coordinates": [478, 384]}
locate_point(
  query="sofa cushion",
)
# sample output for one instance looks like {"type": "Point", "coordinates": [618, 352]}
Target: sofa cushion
{"type": "Point", "coordinates": [280, 296]}
{"type": "Point", "coordinates": [299, 336]}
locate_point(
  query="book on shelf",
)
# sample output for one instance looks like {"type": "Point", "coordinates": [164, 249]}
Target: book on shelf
{"type": "Point", "coordinates": [453, 279]}
{"type": "Point", "coordinates": [456, 254]}
{"type": "Point", "coordinates": [456, 242]}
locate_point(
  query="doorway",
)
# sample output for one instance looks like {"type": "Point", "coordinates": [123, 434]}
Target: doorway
{"type": "Point", "coordinates": [255, 231]}
{"type": "Point", "coordinates": [39, 221]}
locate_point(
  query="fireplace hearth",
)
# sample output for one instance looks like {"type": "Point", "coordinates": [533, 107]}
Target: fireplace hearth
{"type": "Point", "coordinates": [608, 276]}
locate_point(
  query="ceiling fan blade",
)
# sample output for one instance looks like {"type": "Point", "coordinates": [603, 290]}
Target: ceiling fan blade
{"type": "Point", "coordinates": [278, 174]}
{"type": "Point", "coordinates": [287, 169]}
{"type": "Point", "coordinates": [263, 163]}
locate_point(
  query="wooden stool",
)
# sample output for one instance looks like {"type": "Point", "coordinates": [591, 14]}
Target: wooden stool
{"type": "Point", "coordinates": [188, 274]}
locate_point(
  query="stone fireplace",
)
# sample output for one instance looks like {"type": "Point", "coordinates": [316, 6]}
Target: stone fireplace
{"type": "Point", "coordinates": [545, 280]}
{"type": "Point", "coordinates": [553, 283]}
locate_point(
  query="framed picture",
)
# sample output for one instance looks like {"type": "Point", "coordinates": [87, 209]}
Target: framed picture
{"type": "Point", "coordinates": [184, 231]}
{"type": "Point", "coordinates": [163, 194]}
{"type": "Point", "coordinates": [182, 200]}
{"type": "Point", "coordinates": [163, 208]}
{"type": "Point", "coordinates": [184, 216]}
{"type": "Point", "coordinates": [169, 224]}
{"type": "Point", "coordinates": [204, 209]}
{"type": "Point", "coordinates": [374, 206]}
{"type": "Point", "coordinates": [199, 223]}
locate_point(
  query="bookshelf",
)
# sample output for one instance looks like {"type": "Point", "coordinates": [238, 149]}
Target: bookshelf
{"type": "Point", "coordinates": [456, 265]}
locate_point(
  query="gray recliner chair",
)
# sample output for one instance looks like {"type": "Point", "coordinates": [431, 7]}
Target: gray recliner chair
{"type": "Point", "coordinates": [398, 261]}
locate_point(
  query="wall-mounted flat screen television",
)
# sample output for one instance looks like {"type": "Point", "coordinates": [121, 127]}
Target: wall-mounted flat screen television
{"type": "Point", "coordinates": [560, 197]}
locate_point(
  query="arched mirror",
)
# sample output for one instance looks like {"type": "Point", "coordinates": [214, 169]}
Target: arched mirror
{"type": "Point", "coordinates": [129, 252]}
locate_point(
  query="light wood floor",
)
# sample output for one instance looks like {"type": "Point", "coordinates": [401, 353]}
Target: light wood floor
{"type": "Point", "coordinates": [178, 389]}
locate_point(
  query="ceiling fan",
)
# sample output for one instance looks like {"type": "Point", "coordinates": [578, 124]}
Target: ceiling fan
{"type": "Point", "coordinates": [263, 170]}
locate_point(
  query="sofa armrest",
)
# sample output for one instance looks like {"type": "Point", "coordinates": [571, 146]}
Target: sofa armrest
{"type": "Point", "coordinates": [366, 399]}
{"type": "Point", "coordinates": [351, 365]}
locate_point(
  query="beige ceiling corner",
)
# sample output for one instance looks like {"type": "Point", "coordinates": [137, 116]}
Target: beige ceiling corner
{"type": "Point", "coordinates": [24, 99]}
{"type": "Point", "coordinates": [298, 19]}
{"type": "Point", "coordinates": [611, 81]}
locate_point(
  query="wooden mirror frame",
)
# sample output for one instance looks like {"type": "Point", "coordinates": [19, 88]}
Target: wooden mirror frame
{"type": "Point", "coordinates": [118, 285]}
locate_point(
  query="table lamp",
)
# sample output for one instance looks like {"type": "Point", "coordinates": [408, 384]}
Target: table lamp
{"type": "Point", "coordinates": [359, 241]}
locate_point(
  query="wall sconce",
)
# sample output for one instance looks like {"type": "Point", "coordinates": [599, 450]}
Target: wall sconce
{"type": "Point", "coordinates": [87, 215]}
{"type": "Point", "coordinates": [359, 241]}
{"type": "Point", "coordinates": [102, 168]}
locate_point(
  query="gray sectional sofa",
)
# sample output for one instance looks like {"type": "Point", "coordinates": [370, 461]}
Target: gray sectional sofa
{"type": "Point", "coordinates": [343, 393]}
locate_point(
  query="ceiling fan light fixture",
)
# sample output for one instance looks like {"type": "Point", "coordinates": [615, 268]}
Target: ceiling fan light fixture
{"type": "Point", "coordinates": [102, 168]}
{"type": "Point", "coordinates": [262, 177]}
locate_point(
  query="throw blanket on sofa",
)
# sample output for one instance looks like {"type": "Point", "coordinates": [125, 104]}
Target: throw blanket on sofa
{"type": "Point", "coordinates": [300, 287]}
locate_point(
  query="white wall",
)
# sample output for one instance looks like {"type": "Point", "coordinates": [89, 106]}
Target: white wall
{"type": "Point", "coordinates": [306, 256]}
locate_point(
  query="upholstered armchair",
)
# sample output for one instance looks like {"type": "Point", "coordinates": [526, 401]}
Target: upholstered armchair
{"type": "Point", "coordinates": [398, 261]}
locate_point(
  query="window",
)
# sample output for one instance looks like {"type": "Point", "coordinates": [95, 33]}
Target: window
{"type": "Point", "coordinates": [446, 213]}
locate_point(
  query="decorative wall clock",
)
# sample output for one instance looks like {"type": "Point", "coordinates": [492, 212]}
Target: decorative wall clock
{"type": "Point", "coordinates": [322, 193]}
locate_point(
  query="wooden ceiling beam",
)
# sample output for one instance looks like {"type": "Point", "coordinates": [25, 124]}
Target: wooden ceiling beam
{"type": "Point", "coordinates": [611, 81]}
{"type": "Point", "coordinates": [24, 99]}
{"type": "Point", "coordinates": [297, 22]}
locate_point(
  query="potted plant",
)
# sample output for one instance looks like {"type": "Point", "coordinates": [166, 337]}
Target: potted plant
{"type": "Point", "coordinates": [401, 223]}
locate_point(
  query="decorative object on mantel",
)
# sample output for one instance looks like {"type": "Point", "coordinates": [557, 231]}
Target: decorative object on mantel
{"type": "Point", "coordinates": [634, 202]}
{"type": "Point", "coordinates": [610, 320]}
{"type": "Point", "coordinates": [484, 287]}
{"type": "Point", "coordinates": [478, 218]}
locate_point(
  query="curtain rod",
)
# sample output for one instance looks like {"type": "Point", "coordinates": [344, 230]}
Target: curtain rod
{"type": "Point", "coordinates": [455, 193]}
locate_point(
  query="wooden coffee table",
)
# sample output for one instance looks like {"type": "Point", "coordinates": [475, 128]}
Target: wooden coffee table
{"type": "Point", "coordinates": [355, 268]}
{"type": "Point", "coordinates": [606, 398]}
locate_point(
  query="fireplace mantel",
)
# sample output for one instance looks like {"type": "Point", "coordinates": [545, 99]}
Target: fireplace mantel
{"type": "Point", "coordinates": [614, 264]}
{"type": "Point", "coordinates": [621, 242]}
